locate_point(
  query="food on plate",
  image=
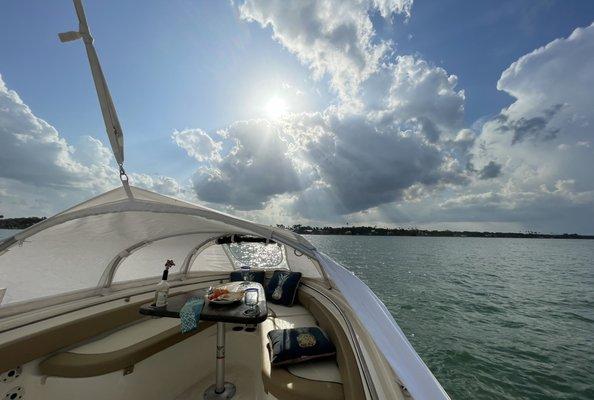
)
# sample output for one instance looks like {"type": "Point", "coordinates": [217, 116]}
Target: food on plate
{"type": "Point", "coordinates": [217, 293]}
{"type": "Point", "coordinates": [225, 293]}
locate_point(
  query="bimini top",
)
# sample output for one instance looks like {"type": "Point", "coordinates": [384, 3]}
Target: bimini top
{"type": "Point", "coordinates": [82, 247]}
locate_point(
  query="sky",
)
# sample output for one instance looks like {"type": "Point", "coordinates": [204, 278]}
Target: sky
{"type": "Point", "coordinates": [432, 114]}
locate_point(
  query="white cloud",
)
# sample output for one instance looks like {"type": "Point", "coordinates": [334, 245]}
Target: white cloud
{"type": "Point", "coordinates": [397, 132]}
{"type": "Point", "coordinates": [41, 173]}
{"type": "Point", "coordinates": [389, 7]}
{"type": "Point", "coordinates": [395, 148]}
{"type": "Point", "coordinates": [197, 144]}
{"type": "Point", "coordinates": [395, 126]}
{"type": "Point", "coordinates": [34, 153]}
{"type": "Point", "coordinates": [362, 163]}
{"type": "Point", "coordinates": [541, 140]}
{"type": "Point", "coordinates": [257, 166]}
{"type": "Point", "coordinates": [560, 207]}
{"type": "Point", "coordinates": [553, 108]}
{"type": "Point", "coordinates": [347, 158]}
{"type": "Point", "coordinates": [332, 37]}
{"type": "Point", "coordinates": [161, 184]}
{"type": "Point", "coordinates": [410, 90]}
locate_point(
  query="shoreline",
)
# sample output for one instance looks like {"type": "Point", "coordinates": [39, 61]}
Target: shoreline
{"type": "Point", "coordinates": [556, 237]}
{"type": "Point", "coordinates": [374, 231]}
{"type": "Point", "coordinates": [24, 223]}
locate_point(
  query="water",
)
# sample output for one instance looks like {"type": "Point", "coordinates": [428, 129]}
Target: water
{"type": "Point", "coordinates": [4, 233]}
{"type": "Point", "coordinates": [492, 318]}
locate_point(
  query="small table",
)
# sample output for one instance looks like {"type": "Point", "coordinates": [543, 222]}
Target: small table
{"type": "Point", "coordinates": [236, 313]}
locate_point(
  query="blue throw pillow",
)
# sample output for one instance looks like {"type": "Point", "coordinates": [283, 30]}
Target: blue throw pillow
{"type": "Point", "coordinates": [282, 287]}
{"type": "Point", "coordinates": [252, 276]}
{"type": "Point", "coordinates": [291, 346]}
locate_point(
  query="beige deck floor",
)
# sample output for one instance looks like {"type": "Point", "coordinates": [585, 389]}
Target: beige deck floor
{"type": "Point", "coordinates": [246, 386]}
{"type": "Point", "coordinates": [242, 368]}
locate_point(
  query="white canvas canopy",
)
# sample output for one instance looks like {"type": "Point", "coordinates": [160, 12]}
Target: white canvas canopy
{"type": "Point", "coordinates": [122, 236]}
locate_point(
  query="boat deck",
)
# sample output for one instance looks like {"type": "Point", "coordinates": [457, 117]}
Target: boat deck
{"type": "Point", "coordinates": [244, 378]}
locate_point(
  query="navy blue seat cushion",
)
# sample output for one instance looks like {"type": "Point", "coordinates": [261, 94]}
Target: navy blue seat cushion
{"type": "Point", "coordinates": [282, 287]}
{"type": "Point", "coordinates": [291, 346]}
{"type": "Point", "coordinates": [252, 276]}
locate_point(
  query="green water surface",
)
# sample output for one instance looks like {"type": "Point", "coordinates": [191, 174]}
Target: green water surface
{"type": "Point", "coordinates": [492, 318]}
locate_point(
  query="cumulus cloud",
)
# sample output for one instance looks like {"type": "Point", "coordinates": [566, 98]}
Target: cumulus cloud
{"type": "Point", "coordinates": [397, 138]}
{"type": "Point", "coordinates": [396, 133]}
{"type": "Point", "coordinates": [539, 138]}
{"type": "Point", "coordinates": [559, 206]}
{"type": "Point", "coordinates": [349, 157]}
{"type": "Point", "coordinates": [198, 144]}
{"type": "Point", "coordinates": [410, 89]}
{"type": "Point", "coordinates": [41, 173]}
{"type": "Point", "coordinates": [34, 153]}
{"type": "Point", "coordinates": [332, 37]}
{"type": "Point", "coordinates": [362, 164]}
{"type": "Point", "coordinates": [552, 108]}
{"type": "Point", "coordinates": [257, 166]}
{"type": "Point", "coordinates": [161, 184]}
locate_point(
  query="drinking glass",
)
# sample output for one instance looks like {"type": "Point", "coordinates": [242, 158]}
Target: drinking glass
{"type": "Point", "coordinates": [251, 297]}
{"type": "Point", "coordinates": [245, 272]}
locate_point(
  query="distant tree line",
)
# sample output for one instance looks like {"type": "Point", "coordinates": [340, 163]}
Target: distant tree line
{"type": "Point", "coordinates": [18, 223]}
{"type": "Point", "coordinates": [375, 231]}
{"type": "Point", "coordinates": [23, 223]}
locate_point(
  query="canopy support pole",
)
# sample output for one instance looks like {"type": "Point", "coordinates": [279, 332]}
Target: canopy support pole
{"type": "Point", "coordinates": [110, 116]}
{"type": "Point", "coordinates": [109, 273]}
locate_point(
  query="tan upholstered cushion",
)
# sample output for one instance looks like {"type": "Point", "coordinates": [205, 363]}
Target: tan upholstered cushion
{"type": "Point", "coordinates": [277, 310]}
{"type": "Point", "coordinates": [46, 341]}
{"type": "Point", "coordinates": [127, 336]}
{"type": "Point", "coordinates": [118, 350]}
{"type": "Point", "coordinates": [284, 385]}
{"type": "Point", "coordinates": [325, 370]}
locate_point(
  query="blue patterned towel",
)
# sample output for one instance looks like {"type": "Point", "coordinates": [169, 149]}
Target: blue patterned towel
{"type": "Point", "coordinates": [190, 314]}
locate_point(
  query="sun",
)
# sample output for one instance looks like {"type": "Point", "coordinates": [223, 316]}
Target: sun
{"type": "Point", "coordinates": [276, 107]}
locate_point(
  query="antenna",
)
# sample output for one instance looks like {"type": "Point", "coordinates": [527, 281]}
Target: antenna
{"type": "Point", "coordinates": [110, 117]}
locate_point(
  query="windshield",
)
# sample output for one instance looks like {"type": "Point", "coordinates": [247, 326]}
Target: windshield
{"type": "Point", "coordinates": [257, 255]}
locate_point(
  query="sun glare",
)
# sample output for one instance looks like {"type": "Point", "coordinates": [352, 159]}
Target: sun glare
{"type": "Point", "coordinates": [276, 107]}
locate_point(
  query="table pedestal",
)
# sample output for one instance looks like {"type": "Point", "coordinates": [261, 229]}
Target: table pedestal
{"type": "Point", "coordinates": [220, 390]}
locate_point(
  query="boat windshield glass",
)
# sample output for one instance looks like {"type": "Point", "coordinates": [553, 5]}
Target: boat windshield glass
{"type": "Point", "coordinates": [257, 255]}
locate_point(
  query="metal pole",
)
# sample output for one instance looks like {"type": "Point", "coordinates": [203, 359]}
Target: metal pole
{"type": "Point", "coordinates": [220, 373]}
{"type": "Point", "coordinates": [110, 116]}
{"type": "Point", "coordinates": [221, 390]}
